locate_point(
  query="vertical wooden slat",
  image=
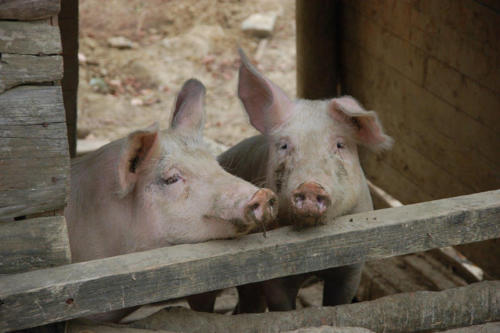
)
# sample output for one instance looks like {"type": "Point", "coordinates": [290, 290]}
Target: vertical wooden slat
{"type": "Point", "coordinates": [68, 23]}
{"type": "Point", "coordinates": [316, 48]}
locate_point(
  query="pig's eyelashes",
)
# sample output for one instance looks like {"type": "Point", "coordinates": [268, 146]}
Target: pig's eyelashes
{"type": "Point", "coordinates": [171, 180]}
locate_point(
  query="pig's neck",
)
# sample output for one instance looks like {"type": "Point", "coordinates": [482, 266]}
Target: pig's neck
{"type": "Point", "coordinates": [365, 202]}
{"type": "Point", "coordinates": [247, 160]}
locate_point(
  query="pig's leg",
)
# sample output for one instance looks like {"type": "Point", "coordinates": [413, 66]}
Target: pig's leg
{"type": "Point", "coordinates": [203, 302]}
{"type": "Point", "coordinates": [251, 299]}
{"type": "Point", "coordinates": [341, 284]}
{"type": "Point", "coordinates": [281, 294]}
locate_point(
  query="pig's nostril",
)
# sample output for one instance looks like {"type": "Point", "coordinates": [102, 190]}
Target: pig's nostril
{"type": "Point", "coordinates": [300, 197]}
{"type": "Point", "coordinates": [255, 206]}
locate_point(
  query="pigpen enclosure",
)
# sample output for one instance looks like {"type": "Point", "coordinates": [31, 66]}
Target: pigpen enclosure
{"type": "Point", "coordinates": [429, 68]}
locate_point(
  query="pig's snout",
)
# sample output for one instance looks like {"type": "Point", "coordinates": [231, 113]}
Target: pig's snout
{"type": "Point", "coordinates": [262, 209]}
{"type": "Point", "coordinates": [309, 203]}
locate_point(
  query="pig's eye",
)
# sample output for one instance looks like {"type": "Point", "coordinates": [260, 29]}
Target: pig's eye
{"type": "Point", "coordinates": [171, 180]}
{"type": "Point", "coordinates": [284, 146]}
{"type": "Point", "coordinates": [340, 145]}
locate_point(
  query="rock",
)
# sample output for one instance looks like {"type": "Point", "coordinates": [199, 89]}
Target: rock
{"type": "Point", "coordinates": [121, 43]}
{"type": "Point", "coordinates": [260, 24]}
{"type": "Point", "coordinates": [82, 59]}
{"type": "Point", "coordinates": [99, 85]}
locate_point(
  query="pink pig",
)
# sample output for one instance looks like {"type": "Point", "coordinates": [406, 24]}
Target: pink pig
{"type": "Point", "coordinates": [308, 155]}
{"type": "Point", "coordinates": [160, 188]}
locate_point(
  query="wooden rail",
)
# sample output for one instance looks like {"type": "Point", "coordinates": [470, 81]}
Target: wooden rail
{"type": "Point", "coordinates": [50, 295]}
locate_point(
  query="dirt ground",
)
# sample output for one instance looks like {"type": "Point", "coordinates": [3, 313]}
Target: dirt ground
{"type": "Point", "coordinates": [122, 90]}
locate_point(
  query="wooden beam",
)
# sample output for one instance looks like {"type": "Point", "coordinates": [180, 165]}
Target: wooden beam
{"type": "Point", "coordinates": [35, 38]}
{"type": "Point", "coordinates": [18, 69]}
{"type": "Point", "coordinates": [408, 312]}
{"type": "Point", "coordinates": [316, 48]}
{"type": "Point", "coordinates": [34, 159]}
{"type": "Point", "coordinates": [68, 22]}
{"type": "Point", "coordinates": [28, 9]}
{"type": "Point", "coordinates": [49, 295]}
{"type": "Point", "coordinates": [33, 244]}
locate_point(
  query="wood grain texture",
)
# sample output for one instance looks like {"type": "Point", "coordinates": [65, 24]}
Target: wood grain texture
{"type": "Point", "coordinates": [316, 37]}
{"type": "Point", "coordinates": [484, 328]}
{"type": "Point", "coordinates": [35, 298]}
{"type": "Point", "coordinates": [449, 139]}
{"type": "Point", "coordinates": [34, 159]}
{"type": "Point", "coordinates": [33, 244]}
{"type": "Point", "coordinates": [22, 69]}
{"type": "Point", "coordinates": [68, 22]}
{"type": "Point", "coordinates": [29, 38]}
{"type": "Point", "coordinates": [28, 9]}
{"type": "Point", "coordinates": [422, 311]}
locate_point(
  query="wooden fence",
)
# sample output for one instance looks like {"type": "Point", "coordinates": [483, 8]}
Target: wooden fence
{"type": "Point", "coordinates": [65, 292]}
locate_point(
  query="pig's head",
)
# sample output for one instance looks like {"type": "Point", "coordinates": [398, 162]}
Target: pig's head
{"type": "Point", "coordinates": [313, 155]}
{"type": "Point", "coordinates": [177, 190]}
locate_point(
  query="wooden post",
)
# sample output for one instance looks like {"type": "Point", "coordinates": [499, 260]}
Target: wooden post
{"type": "Point", "coordinates": [408, 312]}
{"type": "Point", "coordinates": [316, 48]}
{"type": "Point", "coordinates": [68, 23]}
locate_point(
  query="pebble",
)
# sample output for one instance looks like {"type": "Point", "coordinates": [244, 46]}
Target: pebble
{"type": "Point", "coordinates": [260, 25]}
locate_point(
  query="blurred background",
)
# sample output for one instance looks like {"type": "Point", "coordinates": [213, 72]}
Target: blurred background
{"type": "Point", "coordinates": [135, 55]}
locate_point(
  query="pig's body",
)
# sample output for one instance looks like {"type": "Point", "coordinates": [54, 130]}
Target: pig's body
{"type": "Point", "coordinates": [308, 155]}
{"type": "Point", "coordinates": [155, 189]}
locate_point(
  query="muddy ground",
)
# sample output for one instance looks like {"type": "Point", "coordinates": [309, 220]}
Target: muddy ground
{"type": "Point", "coordinates": [126, 89]}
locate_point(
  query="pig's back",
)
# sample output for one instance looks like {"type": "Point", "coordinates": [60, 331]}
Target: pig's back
{"type": "Point", "coordinates": [247, 159]}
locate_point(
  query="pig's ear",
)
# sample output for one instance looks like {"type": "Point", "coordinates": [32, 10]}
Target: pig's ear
{"type": "Point", "coordinates": [140, 148]}
{"type": "Point", "coordinates": [189, 113]}
{"type": "Point", "coordinates": [367, 127]}
{"type": "Point", "coordinates": [266, 104]}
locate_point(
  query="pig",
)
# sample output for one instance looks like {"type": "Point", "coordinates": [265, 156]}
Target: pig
{"type": "Point", "coordinates": [160, 188]}
{"type": "Point", "coordinates": [308, 154]}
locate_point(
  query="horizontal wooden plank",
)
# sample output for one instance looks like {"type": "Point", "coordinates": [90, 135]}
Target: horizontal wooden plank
{"type": "Point", "coordinates": [449, 138]}
{"type": "Point", "coordinates": [28, 9]}
{"type": "Point", "coordinates": [460, 91]}
{"type": "Point", "coordinates": [408, 312]}
{"type": "Point", "coordinates": [383, 45]}
{"type": "Point", "coordinates": [393, 15]}
{"type": "Point", "coordinates": [429, 27]}
{"type": "Point", "coordinates": [413, 165]}
{"type": "Point", "coordinates": [422, 103]}
{"type": "Point", "coordinates": [33, 244]}
{"type": "Point", "coordinates": [49, 295]}
{"type": "Point", "coordinates": [34, 158]}
{"type": "Point", "coordinates": [36, 37]}
{"type": "Point", "coordinates": [452, 14]}
{"type": "Point", "coordinates": [22, 69]}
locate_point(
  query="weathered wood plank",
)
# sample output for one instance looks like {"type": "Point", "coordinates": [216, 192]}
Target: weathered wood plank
{"type": "Point", "coordinates": [36, 37]}
{"type": "Point", "coordinates": [28, 9]}
{"type": "Point", "coordinates": [316, 37]}
{"type": "Point", "coordinates": [34, 159]}
{"type": "Point", "coordinates": [452, 142]}
{"type": "Point", "coordinates": [484, 328]}
{"type": "Point", "coordinates": [35, 298]}
{"type": "Point", "coordinates": [33, 244]}
{"type": "Point", "coordinates": [80, 326]}
{"type": "Point", "coordinates": [422, 311]}
{"type": "Point", "coordinates": [21, 69]}
{"type": "Point", "coordinates": [68, 22]}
